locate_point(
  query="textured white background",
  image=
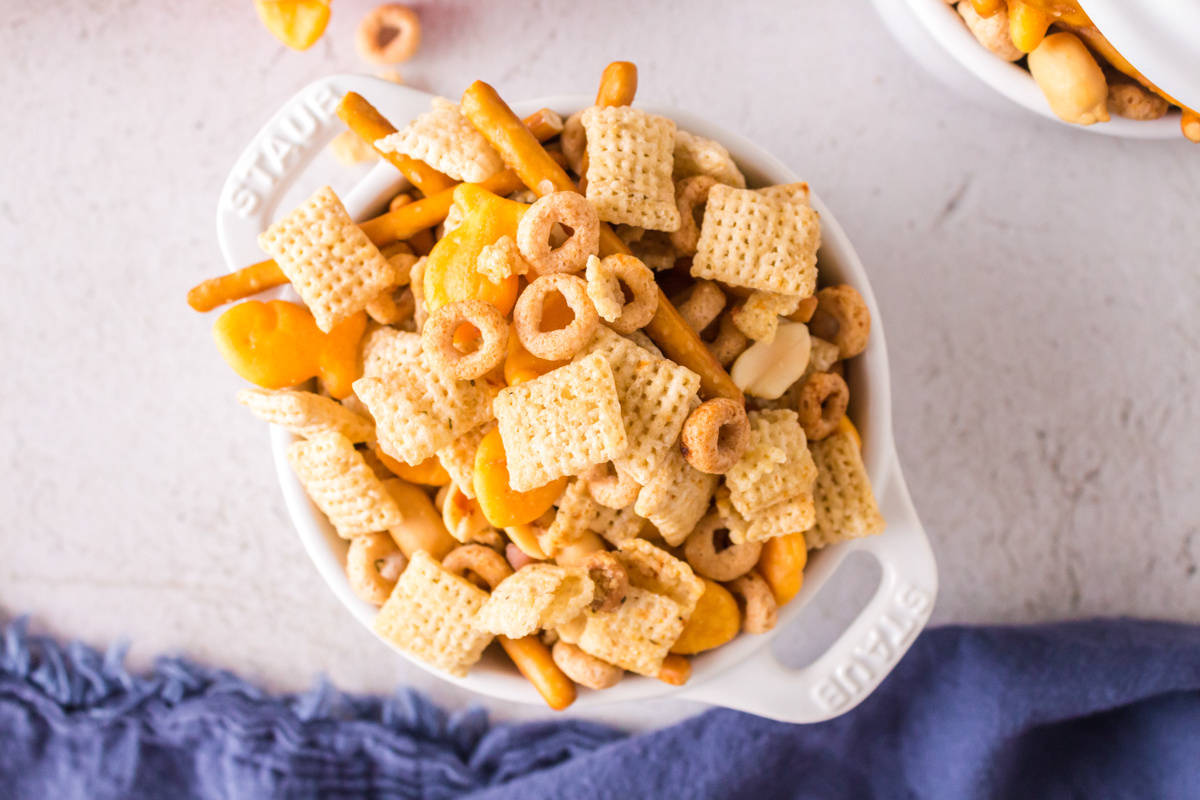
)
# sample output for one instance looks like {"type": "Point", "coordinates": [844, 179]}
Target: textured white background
{"type": "Point", "coordinates": [1039, 286]}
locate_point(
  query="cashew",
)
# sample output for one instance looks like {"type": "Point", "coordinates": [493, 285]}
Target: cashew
{"type": "Point", "coordinates": [422, 527]}
{"type": "Point", "coordinates": [767, 370]}
{"type": "Point", "coordinates": [1071, 80]}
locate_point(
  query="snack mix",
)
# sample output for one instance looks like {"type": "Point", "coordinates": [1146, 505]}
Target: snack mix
{"type": "Point", "coordinates": [1084, 78]}
{"type": "Point", "coordinates": [510, 396]}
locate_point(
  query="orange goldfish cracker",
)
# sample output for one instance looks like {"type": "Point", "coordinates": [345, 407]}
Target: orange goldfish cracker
{"type": "Point", "coordinates": [675, 670]}
{"type": "Point", "coordinates": [715, 435]}
{"type": "Point", "coordinates": [437, 339]}
{"type": "Point", "coordinates": [277, 344]}
{"type": "Point", "coordinates": [503, 506]}
{"type": "Point", "coordinates": [533, 234]}
{"type": "Point", "coordinates": [618, 84]}
{"type": "Point", "coordinates": [450, 273]}
{"type": "Point", "coordinates": [823, 402]}
{"type": "Point", "coordinates": [1027, 25]}
{"type": "Point", "coordinates": [847, 427]}
{"type": "Point", "coordinates": [781, 565]}
{"type": "Point", "coordinates": [236, 285]}
{"type": "Point", "coordinates": [715, 621]}
{"type": "Point", "coordinates": [584, 669]}
{"type": "Point", "coordinates": [429, 472]}
{"type": "Point", "coordinates": [373, 564]}
{"type": "Point", "coordinates": [422, 527]}
{"type": "Point", "coordinates": [488, 565]}
{"type": "Point", "coordinates": [1189, 123]}
{"type": "Point", "coordinates": [986, 8]}
{"type": "Point", "coordinates": [606, 282]}
{"type": "Point", "coordinates": [555, 344]}
{"type": "Point", "coordinates": [536, 663]}
{"type": "Point", "coordinates": [761, 612]}
{"type": "Point", "coordinates": [702, 555]}
{"type": "Point", "coordinates": [296, 23]}
{"type": "Point", "coordinates": [389, 34]}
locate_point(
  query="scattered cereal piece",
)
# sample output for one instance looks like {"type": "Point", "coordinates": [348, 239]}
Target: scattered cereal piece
{"type": "Point", "coordinates": [384, 350]}
{"type": "Point", "coordinates": [328, 259]}
{"type": "Point", "coordinates": [604, 287]}
{"type": "Point", "coordinates": [776, 465]}
{"type": "Point", "coordinates": [501, 260]}
{"type": "Point", "coordinates": [789, 516]}
{"type": "Point", "coordinates": [758, 240]}
{"type": "Point", "coordinates": [349, 149]}
{"type": "Point", "coordinates": [655, 570]}
{"type": "Point", "coordinates": [458, 457]}
{"type": "Point", "coordinates": [445, 140]}
{"type": "Point", "coordinates": [429, 616]}
{"type": "Point", "coordinates": [637, 636]}
{"type": "Point", "coordinates": [630, 156]}
{"type": "Point", "coordinates": [535, 597]}
{"type": "Point", "coordinates": [759, 316]}
{"type": "Point", "coordinates": [388, 34]}
{"type": "Point", "coordinates": [418, 412]}
{"type": "Point", "coordinates": [342, 485]}
{"type": "Point", "coordinates": [695, 155]}
{"type": "Point", "coordinates": [654, 395]}
{"type": "Point", "coordinates": [306, 414]}
{"type": "Point", "coordinates": [676, 497]}
{"type": "Point", "coordinates": [579, 512]}
{"type": "Point", "coordinates": [561, 423]}
{"type": "Point", "coordinates": [846, 507]}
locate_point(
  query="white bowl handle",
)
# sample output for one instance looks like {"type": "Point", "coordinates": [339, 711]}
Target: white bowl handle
{"type": "Point", "coordinates": [866, 651]}
{"type": "Point", "coordinates": [287, 144]}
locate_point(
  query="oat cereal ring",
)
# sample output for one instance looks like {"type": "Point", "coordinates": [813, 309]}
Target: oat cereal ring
{"type": "Point", "coordinates": [574, 142]}
{"type": "Point", "coordinates": [690, 193]}
{"type": "Point", "coordinates": [488, 565]}
{"type": "Point", "coordinates": [605, 278]}
{"type": "Point", "coordinates": [725, 564]}
{"type": "Point", "coordinates": [373, 565]}
{"type": "Point", "coordinates": [822, 405]}
{"type": "Point", "coordinates": [571, 210]}
{"type": "Point", "coordinates": [389, 34]}
{"type": "Point", "coordinates": [700, 304]}
{"type": "Point", "coordinates": [730, 342]}
{"type": "Point", "coordinates": [563, 343]}
{"type": "Point", "coordinates": [437, 339]}
{"type": "Point", "coordinates": [761, 610]}
{"type": "Point", "coordinates": [610, 486]}
{"type": "Point", "coordinates": [715, 435]}
{"type": "Point", "coordinates": [842, 317]}
{"type": "Point", "coordinates": [585, 669]}
{"type": "Point", "coordinates": [610, 577]}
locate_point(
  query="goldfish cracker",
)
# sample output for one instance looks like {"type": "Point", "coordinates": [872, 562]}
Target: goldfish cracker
{"type": "Point", "coordinates": [421, 527]}
{"type": "Point", "coordinates": [450, 273]}
{"type": "Point", "coordinates": [429, 472]}
{"type": "Point", "coordinates": [846, 426]}
{"type": "Point", "coordinates": [296, 23]}
{"type": "Point", "coordinates": [1027, 25]}
{"type": "Point", "coordinates": [278, 344]}
{"type": "Point", "coordinates": [988, 8]}
{"type": "Point", "coordinates": [781, 565]}
{"type": "Point", "coordinates": [503, 506]}
{"type": "Point", "coordinates": [715, 621]}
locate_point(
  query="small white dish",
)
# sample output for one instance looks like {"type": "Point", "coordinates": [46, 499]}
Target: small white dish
{"type": "Point", "coordinates": [933, 33]}
{"type": "Point", "coordinates": [744, 673]}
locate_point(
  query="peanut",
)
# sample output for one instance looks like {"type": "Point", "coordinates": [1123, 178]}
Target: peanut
{"type": "Point", "coordinates": [1071, 80]}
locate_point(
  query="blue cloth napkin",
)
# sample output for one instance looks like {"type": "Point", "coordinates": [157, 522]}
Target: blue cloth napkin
{"type": "Point", "coordinates": [1093, 709]}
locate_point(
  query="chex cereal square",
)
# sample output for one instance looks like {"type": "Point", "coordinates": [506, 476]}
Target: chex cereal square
{"type": "Point", "coordinates": [535, 597]}
{"type": "Point", "coordinates": [446, 140]}
{"type": "Point", "coordinates": [342, 485]}
{"type": "Point", "coordinates": [306, 413]}
{"type": "Point", "coordinates": [630, 158]}
{"type": "Point", "coordinates": [638, 635]}
{"type": "Point", "coordinates": [846, 507]}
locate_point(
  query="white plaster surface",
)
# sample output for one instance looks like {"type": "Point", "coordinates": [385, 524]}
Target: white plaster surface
{"type": "Point", "coordinates": [1039, 286]}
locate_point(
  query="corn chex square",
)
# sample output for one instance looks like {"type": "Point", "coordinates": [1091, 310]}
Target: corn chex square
{"type": "Point", "coordinates": [758, 240]}
{"type": "Point", "coordinates": [638, 635]}
{"type": "Point", "coordinates": [631, 154]}
{"type": "Point", "coordinates": [535, 597]}
{"type": "Point", "coordinates": [655, 570]}
{"type": "Point", "coordinates": [306, 414]}
{"type": "Point", "coordinates": [458, 458]}
{"type": "Point", "coordinates": [775, 466]}
{"type": "Point", "coordinates": [417, 410]}
{"type": "Point", "coordinates": [447, 141]}
{"type": "Point", "coordinates": [561, 423]}
{"type": "Point", "coordinates": [695, 155]}
{"type": "Point", "coordinates": [342, 485]}
{"type": "Point", "coordinates": [429, 615]}
{"type": "Point", "coordinates": [384, 349]}
{"type": "Point", "coordinates": [330, 262]}
{"type": "Point", "coordinates": [846, 507]}
{"type": "Point", "coordinates": [676, 497]}
{"type": "Point", "coordinates": [578, 512]}
{"type": "Point", "coordinates": [790, 516]}
{"type": "Point", "coordinates": [654, 394]}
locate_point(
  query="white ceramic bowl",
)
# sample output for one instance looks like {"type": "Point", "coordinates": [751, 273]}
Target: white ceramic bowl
{"type": "Point", "coordinates": [742, 674]}
{"type": "Point", "coordinates": [933, 33]}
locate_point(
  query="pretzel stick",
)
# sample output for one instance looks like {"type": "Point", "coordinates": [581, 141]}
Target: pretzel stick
{"type": "Point", "coordinates": [362, 118]}
{"type": "Point", "coordinates": [541, 173]}
{"type": "Point", "coordinates": [236, 285]}
{"type": "Point", "coordinates": [544, 124]}
{"type": "Point", "coordinates": [618, 84]}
